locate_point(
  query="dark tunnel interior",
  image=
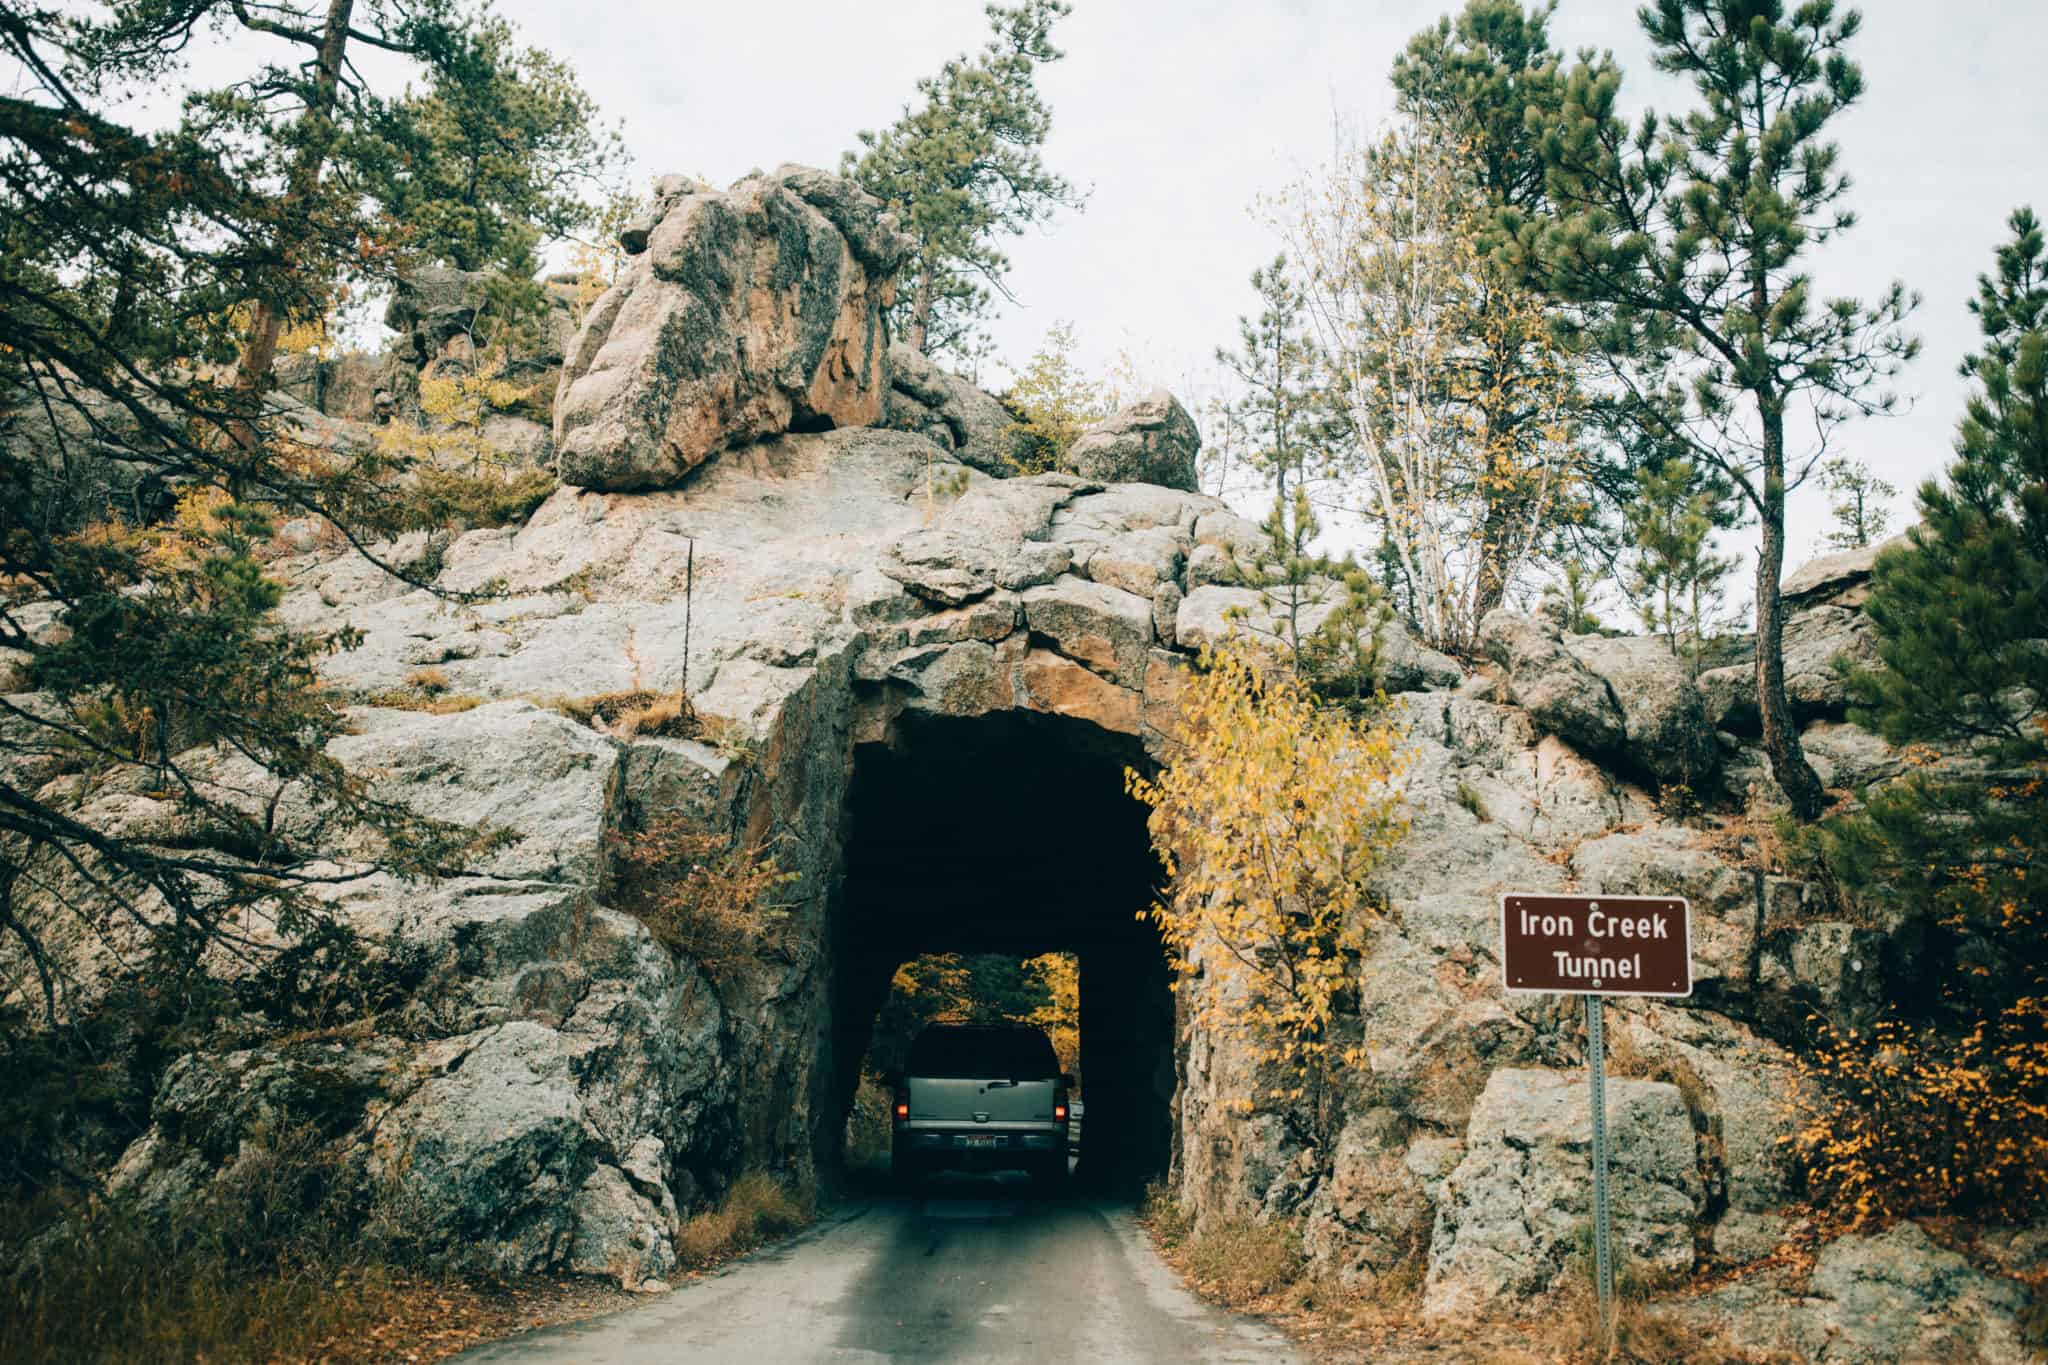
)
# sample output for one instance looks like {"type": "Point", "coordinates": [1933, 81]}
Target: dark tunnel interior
{"type": "Point", "coordinates": [1012, 833]}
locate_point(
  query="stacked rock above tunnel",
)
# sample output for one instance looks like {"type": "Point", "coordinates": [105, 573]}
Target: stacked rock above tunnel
{"type": "Point", "coordinates": [743, 313]}
{"type": "Point", "coordinates": [950, 412]}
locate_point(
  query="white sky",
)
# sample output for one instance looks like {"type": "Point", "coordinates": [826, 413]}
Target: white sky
{"type": "Point", "coordinates": [1177, 113]}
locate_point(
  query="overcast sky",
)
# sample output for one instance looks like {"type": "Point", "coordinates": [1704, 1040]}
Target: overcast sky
{"type": "Point", "coordinates": [1176, 114]}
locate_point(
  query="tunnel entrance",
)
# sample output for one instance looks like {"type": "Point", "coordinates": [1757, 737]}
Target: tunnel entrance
{"type": "Point", "coordinates": [1012, 834]}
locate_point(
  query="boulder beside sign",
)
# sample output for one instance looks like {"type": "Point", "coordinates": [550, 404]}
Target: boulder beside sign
{"type": "Point", "coordinates": [1596, 945]}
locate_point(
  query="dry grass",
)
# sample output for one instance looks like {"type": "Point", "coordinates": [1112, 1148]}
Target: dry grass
{"type": "Point", "coordinates": [1259, 1268]}
{"type": "Point", "coordinates": [276, 1266]}
{"type": "Point", "coordinates": [700, 897]}
{"type": "Point", "coordinates": [1233, 1261]}
{"type": "Point", "coordinates": [630, 713]}
{"type": "Point", "coordinates": [1238, 1261]}
{"type": "Point", "coordinates": [757, 1209]}
{"type": "Point", "coordinates": [622, 715]}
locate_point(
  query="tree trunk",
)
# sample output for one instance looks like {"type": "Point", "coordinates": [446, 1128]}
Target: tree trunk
{"type": "Point", "coordinates": [921, 311]}
{"type": "Point", "coordinates": [1781, 740]}
{"type": "Point", "coordinates": [266, 324]}
{"type": "Point", "coordinates": [1493, 581]}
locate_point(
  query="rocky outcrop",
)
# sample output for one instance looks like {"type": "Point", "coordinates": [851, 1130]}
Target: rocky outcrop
{"type": "Point", "coordinates": [1513, 1211]}
{"type": "Point", "coordinates": [1842, 578]}
{"type": "Point", "coordinates": [563, 1084]}
{"type": "Point", "coordinates": [748, 313]}
{"type": "Point", "coordinates": [1816, 638]}
{"type": "Point", "coordinates": [1552, 684]}
{"type": "Point", "coordinates": [433, 306]}
{"type": "Point", "coordinates": [550, 1088]}
{"type": "Point", "coordinates": [1893, 1297]}
{"type": "Point", "coordinates": [1152, 440]}
{"type": "Point", "coordinates": [1665, 732]}
{"type": "Point", "coordinates": [948, 411]}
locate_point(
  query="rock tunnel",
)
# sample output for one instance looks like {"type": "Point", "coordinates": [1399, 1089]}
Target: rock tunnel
{"type": "Point", "coordinates": [1012, 833]}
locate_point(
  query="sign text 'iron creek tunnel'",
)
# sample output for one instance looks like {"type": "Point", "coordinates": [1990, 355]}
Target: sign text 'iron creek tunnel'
{"type": "Point", "coordinates": [1596, 945]}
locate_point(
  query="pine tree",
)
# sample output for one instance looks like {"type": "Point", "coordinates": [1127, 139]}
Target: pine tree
{"type": "Point", "coordinates": [1958, 612]}
{"type": "Point", "coordinates": [501, 155]}
{"type": "Point", "coordinates": [1281, 415]}
{"type": "Point", "coordinates": [1057, 402]}
{"type": "Point", "coordinates": [1571, 599]}
{"type": "Point", "coordinates": [1485, 79]}
{"type": "Point", "coordinates": [1959, 616]}
{"type": "Point", "coordinates": [1290, 574]}
{"type": "Point", "coordinates": [1675, 576]}
{"type": "Point", "coordinates": [146, 282]}
{"type": "Point", "coordinates": [1859, 506]}
{"type": "Point", "coordinates": [962, 170]}
{"type": "Point", "coordinates": [1684, 242]}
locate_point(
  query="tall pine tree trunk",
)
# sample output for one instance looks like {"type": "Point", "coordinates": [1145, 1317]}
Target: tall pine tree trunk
{"type": "Point", "coordinates": [1781, 740]}
{"type": "Point", "coordinates": [266, 324]}
{"type": "Point", "coordinates": [921, 310]}
{"type": "Point", "coordinates": [1502, 503]}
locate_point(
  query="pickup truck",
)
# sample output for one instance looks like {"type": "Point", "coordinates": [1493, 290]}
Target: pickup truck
{"type": "Point", "coordinates": [981, 1098]}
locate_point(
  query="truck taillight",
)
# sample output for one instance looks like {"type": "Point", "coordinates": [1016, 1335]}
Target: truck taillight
{"type": "Point", "coordinates": [1059, 1111]}
{"type": "Point", "coordinates": [902, 1110]}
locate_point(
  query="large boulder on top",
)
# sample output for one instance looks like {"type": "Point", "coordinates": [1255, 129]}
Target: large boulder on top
{"type": "Point", "coordinates": [1150, 441]}
{"type": "Point", "coordinates": [433, 306]}
{"type": "Point", "coordinates": [1842, 578]}
{"type": "Point", "coordinates": [949, 411]}
{"type": "Point", "coordinates": [749, 312]}
{"type": "Point", "coordinates": [1818, 640]}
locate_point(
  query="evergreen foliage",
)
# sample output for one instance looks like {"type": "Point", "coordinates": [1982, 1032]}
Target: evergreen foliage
{"type": "Point", "coordinates": [1949, 1114]}
{"type": "Point", "coordinates": [147, 282]}
{"type": "Point", "coordinates": [1958, 613]}
{"type": "Point", "coordinates": [963, 170]}
{"type": "Point", "coordinates": [1684, 242]}
{"type": "Point", "coordinates": [501, 155]}
{"type": "Point", "coordinates": [1675, 575]}
{"type": "Point", "coordinates": [1056, 401]}
{"type": "Point", "coordinates": [1282, 413]}
{"type": "Point", "coordinates": [1571, 597]}
{"type": "Point", "coordinates": [1859, 510]}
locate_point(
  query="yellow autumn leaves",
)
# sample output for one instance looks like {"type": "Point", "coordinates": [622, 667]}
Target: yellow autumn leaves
{"type": "Point", "coordinates": [1271, 820]}
{"type": "Point", "coordinates": [1904, 1122]}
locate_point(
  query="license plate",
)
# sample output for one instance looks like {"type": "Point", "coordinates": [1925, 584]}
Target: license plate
{"type": "Point", "coordinates": [978, 1141]}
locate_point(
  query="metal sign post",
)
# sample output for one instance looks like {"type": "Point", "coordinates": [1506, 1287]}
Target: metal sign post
{"type": "Point", "coordinates": [1597, 947]}
{"type": "Point", "coordinates": [1603, 1230]}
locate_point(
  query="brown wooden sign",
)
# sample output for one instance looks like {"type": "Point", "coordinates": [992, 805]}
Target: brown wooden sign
{"type": "Point", "coordinates": [1596, 945]}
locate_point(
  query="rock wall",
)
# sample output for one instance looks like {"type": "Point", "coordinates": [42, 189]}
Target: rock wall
{"type": "Point", "coordinates": [551, 1089]}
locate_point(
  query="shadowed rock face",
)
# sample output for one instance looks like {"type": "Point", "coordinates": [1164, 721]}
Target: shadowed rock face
{"type": "Point", "coordinates": [747, 313]}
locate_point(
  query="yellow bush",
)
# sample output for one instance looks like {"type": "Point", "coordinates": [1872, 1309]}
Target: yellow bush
{"type": "Point", "coordinates": [1902, 1120]}
{"type": "Point", "coordinates": [1271, 819]}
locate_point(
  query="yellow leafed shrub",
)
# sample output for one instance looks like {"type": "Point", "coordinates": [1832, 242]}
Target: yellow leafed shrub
{"type": "Point", "coordinates": [699, 896]}
{"type": "Point", "coordinates": [1902, 1120]}
{"type": "Point", "coordinates": [1271, 821]}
